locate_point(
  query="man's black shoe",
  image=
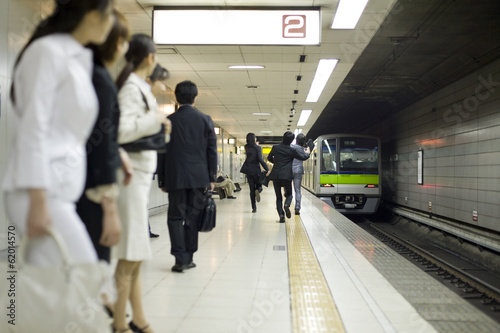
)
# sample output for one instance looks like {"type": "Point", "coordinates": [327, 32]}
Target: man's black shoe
{"type": "Point", "coordinates": [231, 197]}
{"type": "Point", "coordinates": [297, 212]}
{"type": "Point", "coordinates": [282, 219]}
{"type": "Point", "coordinates": [287, 212]}
{"type": "Point", "coordinates": [254, 210]}
{"type": "Point", "coordinates": [151, 235]}
{"type": "Point", "coordinates": [178, 268]}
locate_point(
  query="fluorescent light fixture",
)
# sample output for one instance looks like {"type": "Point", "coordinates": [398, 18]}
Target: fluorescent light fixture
{"type": "Point", "coordinates": [304, 115]}
{"type": "Point", "coordinates": [217, 130]}
{"type": "Point", "coordinates": [231, 141]}
{"type": "Point", "coordinates": [245, 67]}
{"type": "Point", "coordinates": [237, 25]}
{"type": "Point", "coordinates": [266, 132]}
{"type": "Point", "coordinates": [261, 114]}
{"type": "Point", "coordinates": [348, 14]}
{"type": "Point", "coordinates": [323, 72]}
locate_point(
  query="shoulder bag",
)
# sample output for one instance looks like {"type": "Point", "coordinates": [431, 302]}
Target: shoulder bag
{"type": "Point", "coordinates": [64, 298]}
{"type": "Point", "coordinates": [155, 142]}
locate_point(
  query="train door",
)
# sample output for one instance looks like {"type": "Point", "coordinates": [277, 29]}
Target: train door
{"type": "Point", "coordinates": [328, 166]}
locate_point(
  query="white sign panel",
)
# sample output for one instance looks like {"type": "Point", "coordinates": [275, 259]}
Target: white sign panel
{"type": "Point", "coordinates": [181, 26]}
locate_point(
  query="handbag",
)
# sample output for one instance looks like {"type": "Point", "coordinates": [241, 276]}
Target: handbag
{"type": "Point", "coordinates": [64, 298]}
{"type": "Point", "coordinates": [155, 142]}
{"type": "Point", "coordinates": [263, 179]}
{"type": "Point", "coordinates": [207, 216]}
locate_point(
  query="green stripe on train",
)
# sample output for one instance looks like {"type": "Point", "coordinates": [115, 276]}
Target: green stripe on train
{"type": "Point", "coordinates": [349, 179]}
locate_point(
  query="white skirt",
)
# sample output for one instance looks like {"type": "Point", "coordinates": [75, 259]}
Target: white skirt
{"type": "Point", "coordinates": [135, 244]}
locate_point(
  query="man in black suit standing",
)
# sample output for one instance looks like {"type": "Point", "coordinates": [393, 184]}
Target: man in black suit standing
{"type": "Point", "coordinates": [282, 156]}
{"type": "Point", "coordinates": [188, 167]}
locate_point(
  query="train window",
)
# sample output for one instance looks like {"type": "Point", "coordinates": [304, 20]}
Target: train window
{"type": "Point", "coordinates": [359, 155]}
{"type": "Point", "coordinates": [328, 156]}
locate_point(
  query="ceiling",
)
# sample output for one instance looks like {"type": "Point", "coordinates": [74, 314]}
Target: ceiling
{"type": "Point", "coordinates": [399, 52]}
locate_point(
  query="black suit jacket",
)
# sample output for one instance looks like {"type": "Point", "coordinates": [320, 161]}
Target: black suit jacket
{"type": "Point", "coordinates": [103, 158]}
{"type": "Point", "coordinates": [251, 166]}
{"type": "Point", "coordinates": [282, 157]}
{"type": "Point", "coordinates": [191, 157]}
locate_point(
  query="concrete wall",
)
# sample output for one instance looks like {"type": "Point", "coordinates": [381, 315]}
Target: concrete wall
{"type": "Point", "coordinates": [458, 130]}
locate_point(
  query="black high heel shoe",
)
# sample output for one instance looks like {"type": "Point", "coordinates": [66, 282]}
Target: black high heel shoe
{"type": "Point", "coordinates": [136, 329]}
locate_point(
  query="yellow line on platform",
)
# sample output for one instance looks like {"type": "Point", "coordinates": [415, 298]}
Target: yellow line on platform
{"type": "Point", "coordinates": [313, 308]}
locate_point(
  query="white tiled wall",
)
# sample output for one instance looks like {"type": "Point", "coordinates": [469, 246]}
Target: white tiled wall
{"type": "Point", "coordinates": [458, 129]}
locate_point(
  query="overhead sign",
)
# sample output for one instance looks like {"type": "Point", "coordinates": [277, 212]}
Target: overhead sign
{"type": "Point", "coordinates": [236, 26]}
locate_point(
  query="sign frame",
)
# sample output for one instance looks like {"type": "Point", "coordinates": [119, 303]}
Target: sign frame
{"type": "Point", "coordinates": [290, 33]}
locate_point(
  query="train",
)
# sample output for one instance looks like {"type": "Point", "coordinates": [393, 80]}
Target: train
{"type": "Point", "coordinates": [347, 168]}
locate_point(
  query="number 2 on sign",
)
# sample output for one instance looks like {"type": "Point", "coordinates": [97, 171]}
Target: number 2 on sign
{"type": "Point", "coordinates": [294, 26]}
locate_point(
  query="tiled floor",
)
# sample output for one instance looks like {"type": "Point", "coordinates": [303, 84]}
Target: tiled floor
{"type": "Point", "coordinates": [240, 283]}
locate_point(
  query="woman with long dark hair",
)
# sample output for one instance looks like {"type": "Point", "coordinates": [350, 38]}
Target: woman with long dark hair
{"type": "Point", "coordinates": [139, 118]}
{"type": "Point", "coordinates": [251, 167]}
{"type": "Point", "coordinates": [56, 106]}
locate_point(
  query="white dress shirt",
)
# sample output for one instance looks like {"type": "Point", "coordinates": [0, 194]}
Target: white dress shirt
{"type": "Point", "coordinates": [55, 110]}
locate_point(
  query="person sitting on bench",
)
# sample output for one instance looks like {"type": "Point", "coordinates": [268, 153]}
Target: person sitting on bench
{"type": "Point", "coordinates": [226, 184]}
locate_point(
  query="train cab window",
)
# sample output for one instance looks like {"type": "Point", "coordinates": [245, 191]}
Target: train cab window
{"type": "Point", "coordinates": [328, 156]}
{"type": "Point", "coordinates": [358, 155]}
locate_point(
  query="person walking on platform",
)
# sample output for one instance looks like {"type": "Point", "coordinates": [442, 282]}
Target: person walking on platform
{"type": "Point", "coordinates": [251, 168]}
{"type": "Point", "coordinates": [139, 118]}
{"type": "Point", "coordinates": [185, 171]}
{"type": "Point", "coordinates": [282, 156]}
{"type": "Point", "coordinates": [298, 171]}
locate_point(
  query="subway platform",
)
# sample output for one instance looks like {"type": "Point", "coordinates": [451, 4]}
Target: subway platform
{"type": "Point", "coordinates": [318, 272]}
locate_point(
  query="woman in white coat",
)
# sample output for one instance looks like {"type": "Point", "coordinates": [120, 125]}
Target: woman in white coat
{"type": "Point", "coordinates": [139, 118]}
{"type": "Point", "coordinates": [55, 106]}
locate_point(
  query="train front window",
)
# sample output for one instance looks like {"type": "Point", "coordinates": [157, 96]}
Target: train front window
{"type": "Point", "coordinates": [328, 156]}
{"type": "Point", "coordinates": [358, 155]}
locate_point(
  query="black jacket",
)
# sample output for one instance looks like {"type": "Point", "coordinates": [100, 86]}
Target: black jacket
{"type": "Point", "coordinates": [282, 157]}
{"type": "Point", "coordinates": [191, 157]}
{"type": "Point", "coordinates": [103, 158]}
{"type": "Point", "coordinates": [251, 166]}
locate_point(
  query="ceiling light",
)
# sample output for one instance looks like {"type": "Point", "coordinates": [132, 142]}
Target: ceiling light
{"type": "Point", "coordinates": [217, 130]}
{"type": "Point", "coordinates": [245, 67]}
{"type": "Point", "coordinates": [266, 131]}
{"type": "Point", "coordinates": [323, 72]}
{"type": "Point", "coordinates": [348, 14]}
{"type": "Point", "coordinates": [231, 141]}
{"type": "Point", "coordinates": [261, 114]}
{"type": "Point", "coordinates": [304, 115]}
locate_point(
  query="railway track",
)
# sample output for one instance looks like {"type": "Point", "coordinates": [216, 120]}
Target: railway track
{"type": "Point", "coordinates": [475, 283]}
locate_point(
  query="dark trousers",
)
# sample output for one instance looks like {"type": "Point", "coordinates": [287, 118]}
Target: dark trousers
{"type": "Point", "coordinates": [253, 183]}
{"type": "Point", "coordinates": [278, 184]}
{"type": "Point", "coordinates": [91, 215]}
{"type": "Point", "coordinates": [184, 208]}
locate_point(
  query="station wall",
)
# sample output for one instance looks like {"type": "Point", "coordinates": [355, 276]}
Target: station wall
{"type": "Point", "coordinates": [458, 130]}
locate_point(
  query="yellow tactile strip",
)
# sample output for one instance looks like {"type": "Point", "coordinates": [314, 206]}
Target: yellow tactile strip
{"type": "Point", "coordinates": [313, 308]}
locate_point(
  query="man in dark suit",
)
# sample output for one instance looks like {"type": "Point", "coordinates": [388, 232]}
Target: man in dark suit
{"type": "Point", "coordinates": [282, 156]}
{"type": "Point", "coordinates": [188, 167]}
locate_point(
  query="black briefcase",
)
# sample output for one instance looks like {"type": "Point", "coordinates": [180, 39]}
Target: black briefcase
{"type": "Point", "coordinates": [263, 179]}
{"type": "Point", "coordinates": [207, 216]}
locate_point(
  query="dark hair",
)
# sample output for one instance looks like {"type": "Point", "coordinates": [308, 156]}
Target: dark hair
{"type": "Point", "coordinates": [66, 17]}
{"type": "Point", "coordinates": [120, 29]}
{"type": "Point", "coordinates": [251, 138]}
{"type": "Point", "coordinates": [300, 139]}
{"type": "Point", "coordinates": [288, 138]}
{"type": "Point", "coordinates": [185, 92]}
{"type": "Point", "coordinates": [140, 47]}
{"type": "Point", "coordinates": [159, 74]}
